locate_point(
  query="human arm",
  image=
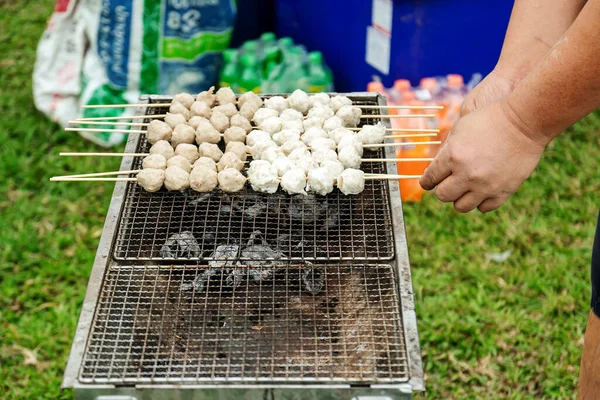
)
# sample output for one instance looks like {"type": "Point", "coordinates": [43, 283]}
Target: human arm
{"type": "Point", "coordinates": [491, 151]}
{"type": "Point", "coordinates": [534, 27]}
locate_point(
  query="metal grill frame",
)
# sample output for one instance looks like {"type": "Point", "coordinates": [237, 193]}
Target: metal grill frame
{"type": "Point", "coordinates": [174, 390]}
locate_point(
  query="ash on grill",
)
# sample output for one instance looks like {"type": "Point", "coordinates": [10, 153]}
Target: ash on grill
{"type": "Point", "coordinates": [276, 328]}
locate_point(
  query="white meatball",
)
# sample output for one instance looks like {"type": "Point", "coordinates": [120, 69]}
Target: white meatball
{"type": "Point", "coordinates": [196, 121]}
{"type": "Point", "coordinates": [207, 96]}
{"type": "Point", "coordinates": [349, 157]}
{"type": "Point", "coordinates": [313, 122]}
{"type": "Point", "coordinates": [271, 125]}
{"type": "Point", "coordinates": [185, 99]}
{"type": "Point", "coordinates": [175, 119]}
{"type": "Point", "coordinates": [200, 109]}
{"type": "Point", "coordinates": [250, 98]}
{"type": "Point", "coordinates": [163, 148]}
{"type": "Point", "coordinates": [321, 111]}
{"type": "Point", "coordinates": [299, 101]}
{"type": "Point", "coordinates": [276, 103]}
{"type": "Point", "coordinates": [335, 168]}
{"type": "Point", "coordinates": [234, 134]}
{"type": "Point", "coordinates": [228, 109]}
{"type": "Point", "coordinates": [311, 134]}
{"type": "Point", "coordinates": [188, 151]}
{"type": "Point", "coordinates": [322, 144]}
{"type": "Point", "coordinates": [248, 110]}
{"type": "Point", "coordinates": [296, 124]}
{"type": "Point", "coordinates": [257, 136]}
{"type": "Point", "coordinates": [225, 96]}
{"type": "Point", "coordinates": [151, 179]}
{"type": "Point", "coordinates": [183, 133]}
{"type": "Point", "coordinates": [332, 123]}
{"type": "Point", "coordinates": [282, 165]}
{"type": "Point", "coordinates": [271, 154]}
{"type": "Point", "coordinates": [320, 99]}
{"type": "Point", "coordinates": [294, 181]}
{"type": "Point", "coordinates": [349, 115]}
{"type": "Point", "coordinates": [230, 160]}
{"type": "Point", "coordinates": [158, 130]}
{"type": "Point", "coordinates": [292, 145]}
{"type": "Point", "coordinates": [206, 162]}
{"type": "Point", "coordinates": [240, 121]}
{"type": "Point", "coordinates": [372, 134]}
{"type": "Point", "coordinates": [351, 181]}
{"type": "Point", "coordinates": [178, 108]}
{"type": "Point", "coordinates": [320, 181]}
{"type": "Point", "coordinates": [210, 150]}
{"type": "Point", "coordinates": [338, 102]}
{"type": "Point", "coordinates": [206, 133]}
{"type": "Point", "coordinates": [238, 148]}
{"type": "Point", "coordinates": [181, 162]}
{"type": "Point", "coordinates": [263, 177]}
{"type": "Point", "coordinates": [339, 133]}
{"type": "Point", "coordinates": [176, 178]}
{"type": "Point", "coordinates": [290, 115]}
{"type": "Point", "coordinates": [231, 180]}
{"type": "Point", "coordinates": [203, 179]}
{"type": "Point", "coordinates": [324, 155]}
{"type": "Point", "coordinates": [286, 135]}
{"type": "Point", "coordinates": [220, 121]}
{"type": "Point", "coordinates": [155, 161]}
{"type": "Point", "coordinates": [351, 141]}
{"type": "Point", "coordinates": [259, 148]}
{"type": "Point", "coordinates": [263, 113]}
{"type": "Point", "coordinates": [306, 164]}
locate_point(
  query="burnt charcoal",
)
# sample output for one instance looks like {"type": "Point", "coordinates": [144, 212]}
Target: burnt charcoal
{"type": "Point", "coordinates": [314, 280]}
{"type": "Point", "coordinates": [227, 253]}
{"type": "Point", "coordinates": [306, 208]}
{"type": "Point", "coordinates": [234, 277]}
{"type": "Point", "coordinates": [180, 245]}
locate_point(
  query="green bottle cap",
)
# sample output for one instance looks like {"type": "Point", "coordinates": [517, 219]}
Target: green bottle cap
{"type": "Point", "coordinates": [315, 57]}
{"type": "Point", "coordinates": [286, 42]}
{"type": "Point", "coordinates": [250, 46]}
{"type": "Point", "coordinates": [267, 37]}
{"type": "Point", "coordinates": [230, 55]}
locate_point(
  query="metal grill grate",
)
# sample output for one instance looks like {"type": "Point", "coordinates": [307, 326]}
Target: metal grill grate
{"type": "Point", "coordinates": [301, 323]}
{"type": "Point", "coordinates": [335, 227]}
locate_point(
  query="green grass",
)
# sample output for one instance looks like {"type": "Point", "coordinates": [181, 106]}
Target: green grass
{"type": "Point", "coordinates": [488, 329]}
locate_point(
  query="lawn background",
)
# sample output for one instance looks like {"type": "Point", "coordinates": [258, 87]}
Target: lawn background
{"type": "Point", "coordinates": [488, 329]}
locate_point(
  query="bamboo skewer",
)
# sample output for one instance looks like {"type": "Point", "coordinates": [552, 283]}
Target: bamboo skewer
{"type": "Point", "coordinates": [103, 130]}
{"type": "Point", "coordinates": [77, 122]}
{"type": "Point", "coordinates": [398, 116]}
{"type": "Point", "coordinates": [423, 107]}
{"type": "Point", "coordinates": [93, 179]}
{"type": "Point", "coordinates": [402, 130]}
{"type": "Point", "coordinates": [97, 174]}
{"type": "Point", "coordinates": [369, 146]}
{"type": "Point", "coordinates": [80, 120]}
{"type": "Point", "coordinates": [412, 135]}
{"type": "Point", "coordinates": [71, 154]}
{"type": "Point", "coordinates": [392, 177]}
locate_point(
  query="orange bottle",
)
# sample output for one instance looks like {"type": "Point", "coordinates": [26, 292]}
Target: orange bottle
{"type": "Point", "coordinates": [410, 190]}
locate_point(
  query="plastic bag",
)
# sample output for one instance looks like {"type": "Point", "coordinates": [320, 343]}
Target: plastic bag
{"type": "Point", "coordinates": [111, 51]}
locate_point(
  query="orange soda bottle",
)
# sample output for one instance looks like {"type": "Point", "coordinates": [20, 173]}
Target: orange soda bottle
{"type": "Point", "coordinates": [410, 190]}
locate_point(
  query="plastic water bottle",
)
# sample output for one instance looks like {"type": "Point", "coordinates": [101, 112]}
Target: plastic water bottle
{"type": "Point", "coordinates": [250, 78]}
{"type": "Point", "coordinates": [229, 74]}
{"type": "Point", "coordinates": [319, 78]}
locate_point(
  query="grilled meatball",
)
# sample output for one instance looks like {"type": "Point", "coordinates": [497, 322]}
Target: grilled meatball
{"type": "Point", "coordinates": [189, 151]}
{"type": "Point", "coordinates": [206, 162]}
{"type": "Point", "coordinates": [181, 162]}
{"type": "Point", "coordinates": [234, 134]}
{"type": "Point", "coordinates": [200, 109]}
{"type": "Point", "coordinates": [220, 121]}
{"type": "Point", "coordinates": [183, 133]}
{"type": "Point", "coordinates": [351, 181]}
{"type": "Point", "coordinates": [225, 96]}
{"type": "Point", "coordinates": [154, 161]}
{"type": "Point", "coordinates": [185, 99]}
{"type": "Point", "coordinates": [230, 160]}
{"type": "Point", "coordinates": [210, 150]}
{"type": "Point", "coordinates": [158, 130]}
{"type": "Point", "coordinates": [178, 108]}
{"type": "Point", "coordinates": [207, 96]}
{"type": "Point", "coordinates": [240, 121]}
{"type": "Point", "coordinates": [231, 180]}
{"type": "Point", "coordinates": [151, 179]}
{"type": "Point", "coordinates": [228, 109]}
{"type": "Point", "coordinates": [175, 119]}
{"type": "Point", "coordinates": [176, 178]}
{"type": "Point", "coordinates": [238, 148]}
{"type": "Point", "coordinates": [163, 148]}
{"type": "Point", "coordinates": [203, 179]}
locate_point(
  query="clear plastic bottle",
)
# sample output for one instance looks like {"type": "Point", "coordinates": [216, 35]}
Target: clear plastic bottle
{"type": "Point", "coordinates": [250, 79]}
{"type": "Point", "coordinates": [230, 73]}
{"type": "Point", "coordinates": [319, 78]}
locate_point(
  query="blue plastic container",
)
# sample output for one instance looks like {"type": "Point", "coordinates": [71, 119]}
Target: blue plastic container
{"type": "Point", "coordinates": [429, 38]}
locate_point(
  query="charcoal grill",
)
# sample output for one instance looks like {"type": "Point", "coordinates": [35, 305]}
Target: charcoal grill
{"type": "Point", "coordinates": [327, 312]}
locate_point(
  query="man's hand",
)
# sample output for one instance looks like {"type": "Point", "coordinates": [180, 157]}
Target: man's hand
{"type": "Point", "coordinates": [485, 159]}
{"type": "Point", "coordinates": [496, 86]}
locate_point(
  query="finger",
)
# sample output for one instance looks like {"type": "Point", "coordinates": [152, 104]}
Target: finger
{"type": "Point", "coordinates": [468, 202]}
{"type": "Point", "coordinates": [438, 170]}
{"type": "Point", "coordinates": [450, 189]}
{"type": "Point", "coordinates": [491, 204]}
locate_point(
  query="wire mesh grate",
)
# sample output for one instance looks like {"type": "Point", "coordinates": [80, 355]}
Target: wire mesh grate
{"type": "Point", "coordinates": [265, 323]}
{"type": "Point", "coordinates": [192, 226]}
